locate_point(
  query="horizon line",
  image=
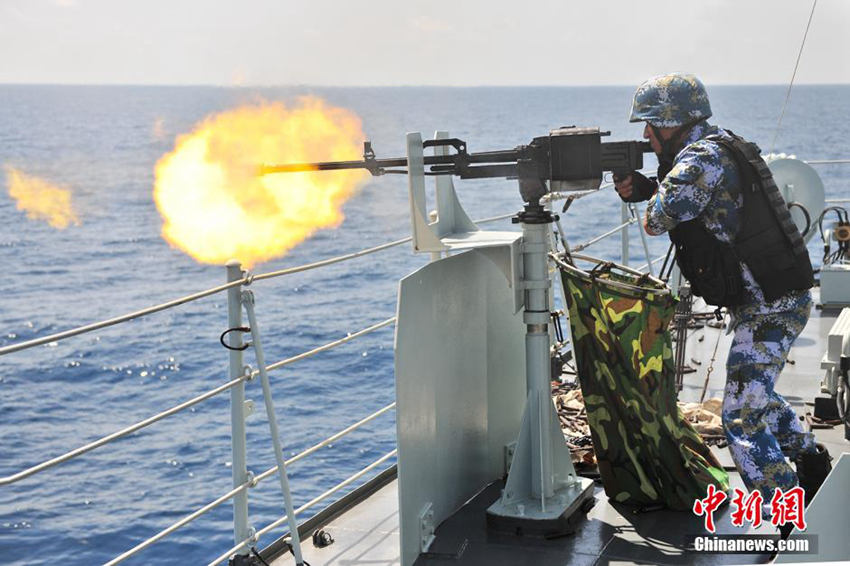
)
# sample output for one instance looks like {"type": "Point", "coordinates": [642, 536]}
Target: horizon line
{"type": "Point", "coordinates": [306, 85]}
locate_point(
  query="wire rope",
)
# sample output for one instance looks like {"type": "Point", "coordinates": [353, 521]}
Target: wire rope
{"type": "Point", "coordinates": [793, 76]}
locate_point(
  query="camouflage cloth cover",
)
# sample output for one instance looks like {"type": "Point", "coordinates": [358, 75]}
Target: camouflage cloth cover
{"type": "Point", "coordinates": [648, 453]}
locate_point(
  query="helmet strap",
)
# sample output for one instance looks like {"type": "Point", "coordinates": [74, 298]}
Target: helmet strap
{"type": "Point", "coordinates": [671, 146]}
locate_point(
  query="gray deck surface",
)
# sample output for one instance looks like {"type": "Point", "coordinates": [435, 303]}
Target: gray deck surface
{"type": "Point", "coordinates": [612, 534]}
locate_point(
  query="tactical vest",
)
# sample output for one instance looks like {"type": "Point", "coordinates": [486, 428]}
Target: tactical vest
{"type": "Point", "coordinates": [767, 240]}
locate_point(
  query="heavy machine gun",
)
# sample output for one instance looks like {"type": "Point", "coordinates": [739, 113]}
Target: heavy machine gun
{"type": "Point", "coordinates": [542, 492]}
{"type": "Point", "coordinates": [569, 158]}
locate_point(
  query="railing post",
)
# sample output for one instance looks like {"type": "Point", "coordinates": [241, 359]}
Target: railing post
{"type": "Point", "coordinates": [239, 458]}
{"type": "Point", "coordinates": [625, 215]}
{"type": "Point", "coordinates": [248, 301]}
{"type": "Point", "coordinates": [636, 215]}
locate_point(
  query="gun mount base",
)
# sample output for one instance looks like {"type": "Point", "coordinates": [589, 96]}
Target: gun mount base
{"type": "Point", "coordinates": [562, 514]}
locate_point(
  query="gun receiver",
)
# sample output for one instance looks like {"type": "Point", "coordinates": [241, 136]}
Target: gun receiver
{"type": "Point", "coordinates": [570, 158]}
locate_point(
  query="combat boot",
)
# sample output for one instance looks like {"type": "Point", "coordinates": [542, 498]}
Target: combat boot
{"type": "Point", "coordinates": [812, 469]}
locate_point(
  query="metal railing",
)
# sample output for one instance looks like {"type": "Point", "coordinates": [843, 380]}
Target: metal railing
{"type": "Point", "coordinates": [245, 486]}
{"type": "Point", "coordinates": [828, 161]}
{"type": "Point", "coordinates": [271, 526]}
{"type": "Point", "coordinates": [628, 217]}
{"type": "Point", "coordinates": [240, 374]}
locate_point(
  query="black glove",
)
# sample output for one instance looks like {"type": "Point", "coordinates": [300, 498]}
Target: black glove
{"type": "Point", "coordinates": [642, 187]}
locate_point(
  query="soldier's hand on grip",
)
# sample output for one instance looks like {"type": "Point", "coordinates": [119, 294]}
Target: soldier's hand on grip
{"type": "Point", "coordinates": [635, 187]}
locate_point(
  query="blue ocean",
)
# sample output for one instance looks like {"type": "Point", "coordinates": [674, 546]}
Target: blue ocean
{"type": "Point", "coordinates": [103, 143]}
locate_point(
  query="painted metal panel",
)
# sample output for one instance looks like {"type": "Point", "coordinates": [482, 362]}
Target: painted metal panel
{"type": "Point", "coordinates": [460, 386]}
{"type": "Point", "coordinates": [828, 517]}
{"type": "Point", "coordinates": [835, 284]}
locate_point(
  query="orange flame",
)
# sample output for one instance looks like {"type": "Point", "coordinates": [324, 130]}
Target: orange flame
{"type": "Point", "coordinates": [40, 199]}
{"type": "Point", "coordinates": [214, 205]}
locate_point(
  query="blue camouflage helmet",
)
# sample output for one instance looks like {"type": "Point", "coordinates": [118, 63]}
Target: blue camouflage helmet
{"type": "Point", "coordinates": [669, 101]}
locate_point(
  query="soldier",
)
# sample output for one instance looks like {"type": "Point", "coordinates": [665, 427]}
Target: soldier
{"type": "Point", "coordinates": [734, 253]}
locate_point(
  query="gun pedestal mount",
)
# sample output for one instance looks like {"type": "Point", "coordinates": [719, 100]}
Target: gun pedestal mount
{"type": "Point", "coordinates": [543, 496]}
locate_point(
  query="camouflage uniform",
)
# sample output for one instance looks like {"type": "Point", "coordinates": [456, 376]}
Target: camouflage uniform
{"type": "Point", "coordinates": [704, 183]}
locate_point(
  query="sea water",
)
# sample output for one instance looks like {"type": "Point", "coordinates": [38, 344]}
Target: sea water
{"type": "Point", "coordinates": [103, 143]}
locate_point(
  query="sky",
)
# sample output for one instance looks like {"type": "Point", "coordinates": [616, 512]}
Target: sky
{"type": "Point", "coordinates": [412, 42]}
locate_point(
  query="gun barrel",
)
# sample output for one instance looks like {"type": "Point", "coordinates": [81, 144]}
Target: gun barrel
{"type": "Point", "coordinates": [331, 166]}
{"type": "Point", "coordinates": [376, 166]}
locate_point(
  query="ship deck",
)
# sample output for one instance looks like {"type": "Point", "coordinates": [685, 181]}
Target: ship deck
{"type": "Point", "coordinates": [367, 533]}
